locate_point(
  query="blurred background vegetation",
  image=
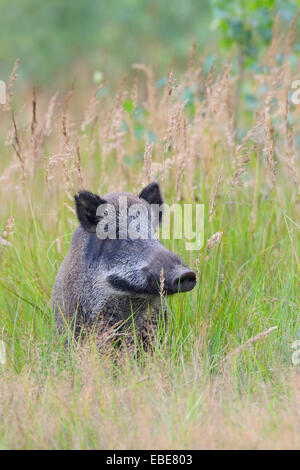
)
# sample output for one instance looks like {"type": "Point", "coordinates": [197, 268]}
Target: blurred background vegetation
{"type": "Point", "coordinates": [59, 39]}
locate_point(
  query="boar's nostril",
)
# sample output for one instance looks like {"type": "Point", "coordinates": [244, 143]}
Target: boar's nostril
{"type": "Point", "coordinates": [185, 282]}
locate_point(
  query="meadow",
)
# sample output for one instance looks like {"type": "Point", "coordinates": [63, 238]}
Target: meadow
{"type": "Point", "coordinates": [222, 376]}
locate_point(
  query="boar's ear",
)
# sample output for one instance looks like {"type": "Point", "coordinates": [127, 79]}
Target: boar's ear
{"type": "Point", "coordinates": [152, 194]}
{"type": "Point", "coordinates": [86, 208]}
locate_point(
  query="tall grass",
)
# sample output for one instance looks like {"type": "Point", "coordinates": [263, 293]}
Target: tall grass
{"type": "Point", "coordinates": [222, 376]}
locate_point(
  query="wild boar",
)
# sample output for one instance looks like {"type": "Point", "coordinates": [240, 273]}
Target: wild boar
{"type": "Point", "coordinates": [107, 281]}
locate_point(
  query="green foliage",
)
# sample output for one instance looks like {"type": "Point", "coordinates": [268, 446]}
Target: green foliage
{"type": "Point", "coordinates": [248, 25]}
{"type": "Point", "coordinates": [54, 38]}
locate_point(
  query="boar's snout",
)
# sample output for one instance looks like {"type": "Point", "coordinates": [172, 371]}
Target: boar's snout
{"type": "Point", "coordinates": [177, 276]}
{"type": "Point", "coordinates": [184, 281]}
{"type": "Point", "coordinates": [144, 265]}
